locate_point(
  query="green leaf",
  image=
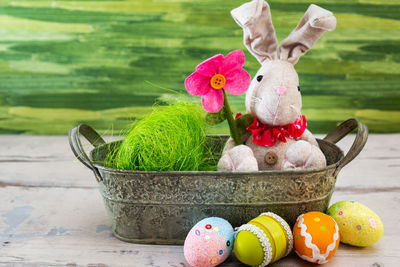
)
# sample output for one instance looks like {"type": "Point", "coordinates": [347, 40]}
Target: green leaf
{"type": "Point", "coordinates": [243, 122]}
{"type": "Point", "coordinates": [216, 118]}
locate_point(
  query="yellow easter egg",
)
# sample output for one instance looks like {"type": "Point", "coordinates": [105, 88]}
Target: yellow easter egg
{"type": "Point", "coordinates": [316, 237]}
{"type": "Point", "coordinates": [263, 240]}
{"type": "Point", "coordinates": [358, 225]}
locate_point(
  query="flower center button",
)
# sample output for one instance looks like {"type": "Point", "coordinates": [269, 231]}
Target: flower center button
{"type": "Point", "coordinates": [218, 81]}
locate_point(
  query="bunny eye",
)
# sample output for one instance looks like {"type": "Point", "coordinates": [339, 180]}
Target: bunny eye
{"type": "Point", "coordinates": [259, 78]}
{"type": "Point", "coordinates": [298, 88]}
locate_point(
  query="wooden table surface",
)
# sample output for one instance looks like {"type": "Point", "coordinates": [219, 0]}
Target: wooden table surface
{"type": "Point", "coordinates": [51, 213]}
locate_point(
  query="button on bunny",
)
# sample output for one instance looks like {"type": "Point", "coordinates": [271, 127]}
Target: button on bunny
{"type": "Point", "coordinates": [277, 139]}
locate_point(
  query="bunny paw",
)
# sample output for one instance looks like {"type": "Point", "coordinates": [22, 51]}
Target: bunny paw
{"type": "Point", "coordinates": [239, 159]}
{"type": "Point", "coordinates": [303, 155]}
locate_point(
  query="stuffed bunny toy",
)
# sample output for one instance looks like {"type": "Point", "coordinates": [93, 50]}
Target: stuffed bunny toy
{"type": "Point", "coordinates": [277, 139]}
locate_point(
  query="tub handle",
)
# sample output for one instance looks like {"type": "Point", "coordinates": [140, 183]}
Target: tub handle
{"type": "Point", "coordinates": [93, 137]}
{"type": "Point", "coordinates": [344, 129]}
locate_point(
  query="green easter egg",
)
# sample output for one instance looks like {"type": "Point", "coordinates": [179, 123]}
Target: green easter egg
{"type": "Point", "coordinates": [264, 240]}
{"type": "Point", "coordinates": [248, 249]}
{"type": "Point", "coordinates": [358, 225]}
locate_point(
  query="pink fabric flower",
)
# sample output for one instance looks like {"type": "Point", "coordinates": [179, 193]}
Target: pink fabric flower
{"type": "Point", "coordinates": [216, 73]}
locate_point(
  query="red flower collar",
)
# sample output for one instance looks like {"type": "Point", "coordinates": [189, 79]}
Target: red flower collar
{"type": "Point", "coordinates": [266, 135]}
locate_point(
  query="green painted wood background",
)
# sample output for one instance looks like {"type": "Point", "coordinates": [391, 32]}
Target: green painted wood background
{"type": "Point", "coordinates": [106, 62]}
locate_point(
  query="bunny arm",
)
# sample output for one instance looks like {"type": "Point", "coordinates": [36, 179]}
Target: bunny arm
{"type": "Point", "coordinates": [303, 155]}
{"type": "Point", "coordinates": [237, 158]}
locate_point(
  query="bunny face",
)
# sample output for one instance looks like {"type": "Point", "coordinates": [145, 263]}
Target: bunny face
{"type": "Point", "coordinates": [274, 96]}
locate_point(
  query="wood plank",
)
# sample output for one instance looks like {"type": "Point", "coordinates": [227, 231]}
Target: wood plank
{"type": "Point", "coordinates": [47, 161]}
{"type": "Point", "coordinates": [44, 161]}
{"type": "Point", "coordinates": [69, 227]}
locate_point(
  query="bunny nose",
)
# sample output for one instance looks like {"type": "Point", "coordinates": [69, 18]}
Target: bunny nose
{"type": "Point", "coordinates": [280, 89]}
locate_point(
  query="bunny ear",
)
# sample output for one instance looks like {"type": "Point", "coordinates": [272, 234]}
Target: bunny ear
{"type": "Point", "coordinates": [314, 23]}
{"type": "Point", "coordinates": [259, 33]}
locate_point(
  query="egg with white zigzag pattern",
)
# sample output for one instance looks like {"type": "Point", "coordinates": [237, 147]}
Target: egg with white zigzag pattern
{"type": "Point", "coordinates": [316, 237]}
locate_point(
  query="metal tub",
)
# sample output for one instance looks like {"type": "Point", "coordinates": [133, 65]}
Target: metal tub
{"type": "Point", "coordinates": [161, 207]}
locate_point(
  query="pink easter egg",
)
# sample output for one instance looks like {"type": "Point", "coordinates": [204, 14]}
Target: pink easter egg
{"type": "Point", "coordinates": [205, 246]}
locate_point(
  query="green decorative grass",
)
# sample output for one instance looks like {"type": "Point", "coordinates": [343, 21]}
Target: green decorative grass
{"type": "Point", "coordinates": [171, 138]}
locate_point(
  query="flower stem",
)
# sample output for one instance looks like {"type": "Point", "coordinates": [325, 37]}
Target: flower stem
{"type": "Point", "coordinates": [231, 121]}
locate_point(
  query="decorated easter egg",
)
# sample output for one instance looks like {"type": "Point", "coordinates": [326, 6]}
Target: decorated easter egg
{"type": "Point", "coordinates": [316, 237]}
{"type": "Point", "coordinates": [358, 225]}
{"type": "Point", "coordinates": [263, 240]}
{"type": "Point", "coordinates": [209, 242]}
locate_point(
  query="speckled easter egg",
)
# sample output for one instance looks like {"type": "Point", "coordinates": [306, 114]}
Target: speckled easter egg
{"type": "Point", "coordinates": [263, 240]}
{"type": "Point", "coordinates": [209, 242]}
{"type": "Point", "coordinates": [316, 237]}
{"type": "Point", "coordinates": [358, 225]}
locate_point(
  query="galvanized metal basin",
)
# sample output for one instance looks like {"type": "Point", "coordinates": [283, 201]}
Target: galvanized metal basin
{"type": "Point", "coordinates": [161, 207]}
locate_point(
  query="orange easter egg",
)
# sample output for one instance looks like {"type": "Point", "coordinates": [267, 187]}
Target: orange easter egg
{"type": "Point", "coordinates": [316, 237]}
